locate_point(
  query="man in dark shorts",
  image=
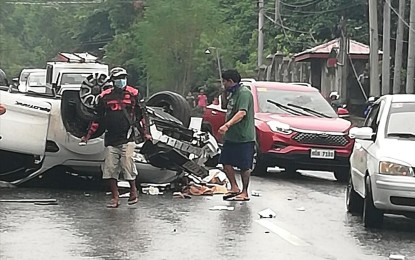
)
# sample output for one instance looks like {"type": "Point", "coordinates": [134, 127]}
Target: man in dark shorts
{"type": "Point", "coordinates": [239, 134]}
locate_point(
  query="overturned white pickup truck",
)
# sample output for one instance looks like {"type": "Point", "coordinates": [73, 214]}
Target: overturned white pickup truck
{"type": "Point", "coordinates": [42, 131]}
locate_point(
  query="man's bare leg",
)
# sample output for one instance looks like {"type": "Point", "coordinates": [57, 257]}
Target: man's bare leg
{"type": "Point", "coordinates": [245, 175]}
{"type": "Point", "coordinates": [114, 192]}
{"type": "Point", "coordinates": [133, 193]}
{"type": "Point", "coordinates": [230, 173]}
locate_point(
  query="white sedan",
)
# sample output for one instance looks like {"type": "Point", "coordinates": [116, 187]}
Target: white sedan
{"type": "Point", "coordinates": [383, 161]}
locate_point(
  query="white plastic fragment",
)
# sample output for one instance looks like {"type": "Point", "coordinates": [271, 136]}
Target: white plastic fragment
{"type": "Point", "coordinates": [222, 208]}
{"type": "Point", "coordinates": [397, 257]}
{"type": "Point", "coordinates": [123, 184]}
{"type": "Point", "coordinates": [267, 213]}
{"type": "Point", "coordinates": [301, 209]}
{"type": "Point", "coordinates": [125, 195]}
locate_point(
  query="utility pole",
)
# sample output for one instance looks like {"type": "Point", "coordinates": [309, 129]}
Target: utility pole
{"type": "Point", "coordinates": [277, 10]}
{"type": "Point", "coordinates": [386, 49]}
{"type": "Point", "coordinates": [261, 16]}
{"type": "Point", "coordinates": [410, 76]}
{"type": "Point", "coordinates": [342, 69]}
{"type": "Point", "coordinates": [374, 48]}
{"type": "Point", "coordinates": [399, 50]}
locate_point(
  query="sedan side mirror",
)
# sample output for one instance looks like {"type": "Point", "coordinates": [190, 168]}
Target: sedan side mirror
{"type": "Point", "coordinates": [363, 133]}
{"type": "Point", "coordinates": [343, 112]}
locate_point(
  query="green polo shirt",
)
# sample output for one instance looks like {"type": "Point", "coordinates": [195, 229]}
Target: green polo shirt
{"type": "Point", "coordinates": [244, 130]}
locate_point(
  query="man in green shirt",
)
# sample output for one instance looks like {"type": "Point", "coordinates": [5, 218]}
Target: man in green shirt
{"type": "Point", "coordinates": [239, 134]}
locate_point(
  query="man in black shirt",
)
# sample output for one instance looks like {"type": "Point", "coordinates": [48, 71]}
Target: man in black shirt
{"type": "Point", "coordinates": [117, 108]}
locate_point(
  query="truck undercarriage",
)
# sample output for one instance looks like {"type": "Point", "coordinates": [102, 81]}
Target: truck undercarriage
{"type": "Point", "coordinates": [29, 148]}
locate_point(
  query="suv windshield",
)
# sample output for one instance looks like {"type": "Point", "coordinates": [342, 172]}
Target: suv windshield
{"type": "Point", "coordinates": [73, 78]}
{"type": "Point", "coordinates": [309, 100]}
{"type": "Point", "coordinates": [399, 122]}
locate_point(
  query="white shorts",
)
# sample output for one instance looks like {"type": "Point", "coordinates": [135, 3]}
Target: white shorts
{"type": "Point", "coordinates": [119, 160]}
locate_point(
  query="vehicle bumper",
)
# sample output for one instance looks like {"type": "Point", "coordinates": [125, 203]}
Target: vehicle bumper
{"type": "Point", "coordinates": [300, 157]}
{"type": "Point", "coordinates": [393, 193]}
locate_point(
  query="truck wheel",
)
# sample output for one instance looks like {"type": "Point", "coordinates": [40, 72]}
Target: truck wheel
{"type": "Point", "coordinates": [172, 103]}
{"type": "Point", "coordinates": [292, 171]}
{"type": "Point", "coordinates": [91, 87]}
{"type": "Point", "coordinates": [342, 175]}
{"type": "Point", "coordinates": [372, 217]}
{"type": "Point", "coordinates": [354, 203]}
{"type": "Point", "coordinates": [75, 116]}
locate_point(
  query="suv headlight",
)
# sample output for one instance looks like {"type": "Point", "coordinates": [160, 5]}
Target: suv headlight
{"type": "Point", "coordinates": [393, 168]}
{"type": "Point", "coordinates": [279, 127]}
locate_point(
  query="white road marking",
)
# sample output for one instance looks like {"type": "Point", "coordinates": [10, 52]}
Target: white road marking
{"type": "Point", "coordinates": [284, 234]}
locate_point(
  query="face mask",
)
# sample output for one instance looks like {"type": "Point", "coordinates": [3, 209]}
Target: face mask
{"type": "Point", "coordinates": [120, 83]}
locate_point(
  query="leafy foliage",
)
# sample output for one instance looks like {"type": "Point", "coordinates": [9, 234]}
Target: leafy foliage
{"type": "Point", "coordinates": [162, 43]}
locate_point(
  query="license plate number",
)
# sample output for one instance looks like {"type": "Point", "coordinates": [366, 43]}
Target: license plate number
{"type": "Point", "coordinates": [322, 154]}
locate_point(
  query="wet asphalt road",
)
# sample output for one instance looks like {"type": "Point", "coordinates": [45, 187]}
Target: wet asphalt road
{"type": "Point", "coordinates": [311, 223]}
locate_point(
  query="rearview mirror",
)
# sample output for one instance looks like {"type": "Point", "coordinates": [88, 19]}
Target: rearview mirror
{"type": "Point", "coordinates": [363, 133]}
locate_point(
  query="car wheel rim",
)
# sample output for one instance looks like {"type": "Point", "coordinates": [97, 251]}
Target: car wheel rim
{"type": "Point", "coordinates": [91, 87]}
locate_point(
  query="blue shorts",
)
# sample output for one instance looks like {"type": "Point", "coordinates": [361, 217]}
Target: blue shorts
{"type": "Point", "coordinates": [239, 155]}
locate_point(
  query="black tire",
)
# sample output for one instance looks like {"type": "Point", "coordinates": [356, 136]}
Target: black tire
{"type": "Point", "coordinates": [354, 203]}
{"type": "Point", "coordinates": [292, 171]}
{"type": "Point", "coordinates": [213, 162]}
{"type": "Point", "coordinates": [260, 167]}
{"type": "Point", "coordinates": [173, 103]}
{"type": "Point", "coordinates": [342, 175]}
{"type": "Point", "coordinates": [372, 217]}
{"type": "Point", "coordinates": [75, 116]}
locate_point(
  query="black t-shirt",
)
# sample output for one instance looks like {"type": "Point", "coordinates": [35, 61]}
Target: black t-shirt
{"type": "Point", "coordinates": [113, 117]}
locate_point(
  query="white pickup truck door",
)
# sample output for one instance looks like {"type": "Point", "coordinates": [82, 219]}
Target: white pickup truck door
{"type": "Point", "coordinates": [24, 126]}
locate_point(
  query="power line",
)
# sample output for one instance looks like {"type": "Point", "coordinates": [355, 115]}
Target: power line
{"type": "Point", "coordinates": [311, 13]}
{"type": "Point", "coordinates": [399, 16]}
{"type": "Point", "coordinates": [300, 5]}
{"type": "Point", "coordinates": [55, 2]}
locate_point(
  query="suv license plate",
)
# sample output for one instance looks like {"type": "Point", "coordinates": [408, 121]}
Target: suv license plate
{"type": "Point", "coordinates": [322, 154]}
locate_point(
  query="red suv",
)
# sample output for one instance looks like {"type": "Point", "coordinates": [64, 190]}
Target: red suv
{"type": "Point", "coordinates": [296, 129]}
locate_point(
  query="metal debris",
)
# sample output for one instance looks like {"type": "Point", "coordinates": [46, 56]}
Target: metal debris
{"type": "Point", "coordinates": [30, 200]}
{"type": "Point", "coordinates": [256, 193]}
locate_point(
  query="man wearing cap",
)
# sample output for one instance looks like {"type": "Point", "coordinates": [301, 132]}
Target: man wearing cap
{"type": "Point", "coordinates": [117, 108]}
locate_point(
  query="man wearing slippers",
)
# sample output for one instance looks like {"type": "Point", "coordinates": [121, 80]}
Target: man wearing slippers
{"type": "Point", "coordinates": [117, 108]}
{"type": "Point", "coordinates": [239, 134]}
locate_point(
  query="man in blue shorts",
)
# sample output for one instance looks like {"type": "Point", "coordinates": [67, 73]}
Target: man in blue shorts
{"type": "Point", "coordinates": [239, 134]}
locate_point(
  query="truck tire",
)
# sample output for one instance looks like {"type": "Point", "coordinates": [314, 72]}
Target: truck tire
{"type": "Point", "coordinates": [172, 103]}
{"type": "Point", "coordinates": [75, 116]}
{"type": "Point", "coordinates": [260, 167]}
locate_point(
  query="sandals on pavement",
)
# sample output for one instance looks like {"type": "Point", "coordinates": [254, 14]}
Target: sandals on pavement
{"type": "Point", "coordinates": [113, 204]}
{"type": "Point", "coordinates": [230, 195]}
{"type": "Point", "coordinates": [239, 198]}
{"type": "Point", "coordinates": [132, 200]}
